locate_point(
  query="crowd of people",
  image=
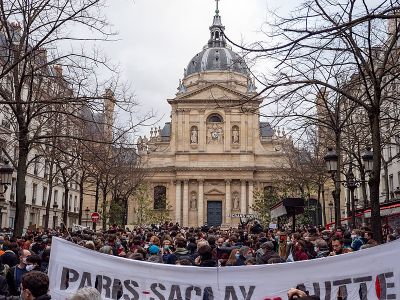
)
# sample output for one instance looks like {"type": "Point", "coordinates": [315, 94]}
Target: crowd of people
{"type": "Point", "coordinates": [24, 260]}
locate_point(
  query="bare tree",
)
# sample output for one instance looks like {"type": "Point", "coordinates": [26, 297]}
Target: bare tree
{"type": "Point", "coordinates": [344, 47]}
{"type": "Point", "coordinates": [49, 70]}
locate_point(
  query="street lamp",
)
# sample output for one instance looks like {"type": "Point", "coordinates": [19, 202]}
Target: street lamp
{"type": "Point", "coordinates": [87, 210]}
{"type": "Point", "coordinates": [55, 206]}
{"type": "Point", "coordinates": [351, 182]}
{"type": "Point", "coordinates": [368, 159]}
{"type": "Point", "coordinates": [6, 172]}
{"type": "Point", "coordinates": [331, 161]}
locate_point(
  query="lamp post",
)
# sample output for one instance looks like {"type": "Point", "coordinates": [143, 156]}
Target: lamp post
{"type": "Point", "coordinates": [55, 206]}
{"type": "Point", "coordinates": [87, 210]}
{"type": "Point", "coordinates": [331, 162]}
{"type": "Point", "coordinates": [6, 172]}
{"type": "Point", "coordinates": [351, 181]}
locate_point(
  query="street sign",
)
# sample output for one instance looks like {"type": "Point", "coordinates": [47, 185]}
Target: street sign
{"type": "Point", "coordinates": [95, 217]}
{"type": "Point", "coordinates": [243, 215]}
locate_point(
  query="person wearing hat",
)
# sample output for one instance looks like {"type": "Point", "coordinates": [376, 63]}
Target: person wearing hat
{"type": "Point", "coordinates": [154, 254]}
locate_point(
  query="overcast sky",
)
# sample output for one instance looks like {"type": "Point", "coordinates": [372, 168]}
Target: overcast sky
{"type": "Point", "coordinates": [158, 38]}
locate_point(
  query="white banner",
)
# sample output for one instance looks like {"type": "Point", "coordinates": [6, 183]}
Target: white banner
{"type": "Point", "coordinates": [372, 273]}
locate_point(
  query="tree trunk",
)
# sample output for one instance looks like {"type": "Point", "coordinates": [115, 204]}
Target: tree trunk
{"type": "Point", "coordinates": [386, 179]}
{"type": "Point", "coordinates": [50, 192]}
{"type": "Point", "coordinates": [96, 200]}
{"type": "Point", "coordinates": [376, 222]}
{"type": "Point", "coordinates": [323, 206]}
{"type": "Point", "coordinates": [316, 206]}
{"type": "Point", "coordinates": [104, 208]}
{"type": "Point", "coordinates": [337, 182]}
{"type": "Point", "coordinates": [48, 204]}
{"type": "Point", "coordinates": [20, 190]}
{"type": "Point", "coordinates": [65, 212]}
{"type": "Point", "coordinates": [81, 182]}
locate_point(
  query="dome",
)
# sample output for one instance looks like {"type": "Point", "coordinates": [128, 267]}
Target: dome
{"type": "Point", "coordinates": [216, 59]}
{"type": "Point", "coordinates": [216, 55]}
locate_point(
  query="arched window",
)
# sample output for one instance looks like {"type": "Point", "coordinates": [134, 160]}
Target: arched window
{"type": "Point", "coordinates": [160, 197]}
{"type": "Point", "coordinates": [215, 118]}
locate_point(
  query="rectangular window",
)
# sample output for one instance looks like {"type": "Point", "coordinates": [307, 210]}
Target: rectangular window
{"type": "Point", "coordinates": [76, 203]}
{"type": "Point", "coordinates": [391, 186]}
{"type": "Point", "coordinates": [55, 200]}
{"type": "Point", "coordinates": [398, 180]}
{"type": "Point", "coordinates": [390, 151]}
{"type": "Point", "coordinates": [36, 167]}
{"type": "Point", "coordinates": [13, 189]}
{"type": "Point", "coordinates": [44, 197]}
{"type": "Point", "coordinates": [62, 200]}
{"type": "Point", "coordinates": [34, 193]}
{"type": "Point", "coordinates": [70, 206]}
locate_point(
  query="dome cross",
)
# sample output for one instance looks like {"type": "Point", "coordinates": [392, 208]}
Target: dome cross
{"type": "Point", "coordinates": [217, 9]}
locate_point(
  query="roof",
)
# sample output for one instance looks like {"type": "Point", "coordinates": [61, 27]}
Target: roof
{"type": "Point", "coordinates": [166, 132]}
{"type": "Point", "coordinates": [266, 130]}
{"type": "Point", "coordinates": [216, 59]}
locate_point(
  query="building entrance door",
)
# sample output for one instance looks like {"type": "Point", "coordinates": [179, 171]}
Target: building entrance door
{"type": "Point", "coordinates": [214, 213]}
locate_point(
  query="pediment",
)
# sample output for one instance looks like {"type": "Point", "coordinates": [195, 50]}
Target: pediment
{"type": "Point", "coordinates": [213, 92]}
{"type": "Point", "coordinates": [215, 192]}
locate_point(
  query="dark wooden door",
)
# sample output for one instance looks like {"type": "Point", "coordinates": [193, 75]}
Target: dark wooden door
{"type": "Point", "coordinates": [214, 213]}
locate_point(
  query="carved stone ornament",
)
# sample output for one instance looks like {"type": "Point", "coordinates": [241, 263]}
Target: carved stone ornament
{"type": "Point", "coordinates": [235, 200]}
{"type": "Point", "coordinates": [215, 133]}
{"type": "Point", "coordinates": [193, 201]}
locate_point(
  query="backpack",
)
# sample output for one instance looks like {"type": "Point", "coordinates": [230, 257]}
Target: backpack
{"type": "Point", "coordinates": [5, 270]}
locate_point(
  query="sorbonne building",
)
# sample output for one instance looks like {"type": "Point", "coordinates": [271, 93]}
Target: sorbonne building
{"type": "Point", "coordinates": [215, 152]}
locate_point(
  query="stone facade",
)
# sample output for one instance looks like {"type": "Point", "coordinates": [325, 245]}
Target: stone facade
{"type": "Point", "coordinates": [215, 151]}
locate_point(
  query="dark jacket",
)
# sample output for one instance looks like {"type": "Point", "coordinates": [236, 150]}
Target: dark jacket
{"type": "Point", "coordinates": [240, 261]}
{"type": "Point", "coordinates": [44, 297]}
{"type": "Point", "coordinates": [268, 254]}
{"type": "Point", "coordinates": [3, 286]}
{"type": "Point", "coordinates": [208, 263]}
{"type": "Point", "coordinates": [180, 253]}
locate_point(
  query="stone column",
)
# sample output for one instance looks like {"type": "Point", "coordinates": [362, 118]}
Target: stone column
{"type": "Point", "coordinates": [200, 204]}
{"type": "Point", "coordinates": [251, 199]}
{"type": "Point", "coordinates": [178, 201]}
{"type": "Point", "coordinates": [185, 206]}
{"type": "Point", "coordinates": [228, 201]}
{"type": "Point", "coordinates": [243, 196]}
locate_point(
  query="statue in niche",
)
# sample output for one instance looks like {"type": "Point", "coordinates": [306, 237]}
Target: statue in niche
{"type": "Point", "coordinates": [235, 135]}
{"type": "Point", "coordinates": [194, 136]}
{"type": "Point", "coordinates": [193, 201]}
{"type": "Point", "coordinates": [236, 200]}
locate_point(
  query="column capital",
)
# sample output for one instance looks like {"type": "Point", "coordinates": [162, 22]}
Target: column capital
{"type": "Point", "coordinates": [176, 181]}
{"type": "Point", "coordinates": [200, 180]}
{"type": "Point", "coordinates": [243, 181]}
{"type": "Point", "coordinates": [228, 181]}
{"type": "Point", "coordinates": [185, 181]}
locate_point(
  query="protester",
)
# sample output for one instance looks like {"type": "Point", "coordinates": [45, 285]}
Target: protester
{"type": "Point", "coordinates": [86, 293]}
{"type": "Point", "coordinates": [9, 257]}
{"type": "Point", "coordinates": [337, 246]}
{"type": "Point", "coordinates": [18, 271]}
{"type": "Point", "coordinates": [35, 286]}
{"type": "Point", "coordinates": [296, 293]}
